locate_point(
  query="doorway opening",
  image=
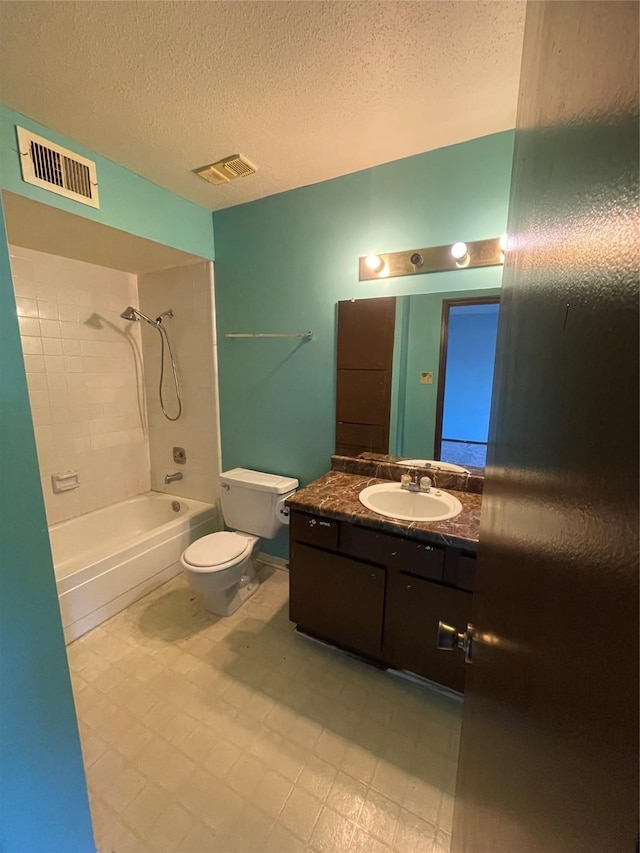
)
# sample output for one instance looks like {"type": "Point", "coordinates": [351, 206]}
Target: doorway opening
{"type": "Point", "coordinates": [467, 355]}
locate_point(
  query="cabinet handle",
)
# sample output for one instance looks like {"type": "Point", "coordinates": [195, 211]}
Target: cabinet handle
{"type": "Point", "coordinates": [373, 575]}
{"type": "Point", "coordinates": [408, 586]}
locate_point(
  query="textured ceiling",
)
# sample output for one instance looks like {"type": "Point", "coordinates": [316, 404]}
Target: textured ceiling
{"type": "Point", "coordinates": [306, 90]}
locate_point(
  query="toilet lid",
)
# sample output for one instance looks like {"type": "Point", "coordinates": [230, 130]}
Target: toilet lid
{"type": "Point", "coordinates": [216, 548]}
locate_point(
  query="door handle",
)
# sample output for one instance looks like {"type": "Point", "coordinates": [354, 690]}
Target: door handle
{"type": "Point", "coordinates": [449, 638]}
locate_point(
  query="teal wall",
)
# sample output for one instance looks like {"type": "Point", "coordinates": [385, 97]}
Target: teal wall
{"type": "Point", "coordinates": [43, 796]}
{"type": "Point", "coordinates": [283, 262]}
{"type": "Point", "coordinates": [127, 201]}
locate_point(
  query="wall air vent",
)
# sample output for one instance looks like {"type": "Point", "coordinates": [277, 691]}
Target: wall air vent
{"type": "Point", "coordinates": [227, 169]}
{"type": "Point", "coordinates": [57, 169]}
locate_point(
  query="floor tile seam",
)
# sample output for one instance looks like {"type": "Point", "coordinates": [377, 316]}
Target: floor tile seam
{"type": "Point", "coordinates": [317, 818]}
{"type": "Point", "coordinates": [123, 821]}
{"type": "Point", "coordinates": [127, 762]}
{"type": "Point", "coordinates": [398, 828]}
{"type": "Point", "coordinates": [353, 820]}
{"type": "Point", "coordinates": [119, 818]}
{"type": "Point", "coordinates": [357, 779]}
{"type": "Point", "coordinates": [412, 811]}
{"type": "Point", "coordinates": [360, 825]}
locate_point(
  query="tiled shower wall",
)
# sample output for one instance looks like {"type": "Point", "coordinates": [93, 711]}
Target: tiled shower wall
{"type": "Point", "coordinates": [189, 292]}
{"type": "Point", "coordinates": [84, 371]}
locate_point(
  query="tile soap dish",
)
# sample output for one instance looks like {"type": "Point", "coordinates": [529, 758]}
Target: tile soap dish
{"type": "Point", "coordinates": [64, 481]}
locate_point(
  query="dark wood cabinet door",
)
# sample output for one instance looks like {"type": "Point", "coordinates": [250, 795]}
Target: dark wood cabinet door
{"type": "Point", "coordinates": [337, 599]}
{"type": "Point", "coordinates": [414, 607]}
{"type": "Point", "coordinates": [363, 379]}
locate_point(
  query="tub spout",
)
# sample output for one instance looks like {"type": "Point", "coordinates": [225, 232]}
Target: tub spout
{"type": "Point", "coordinates": [171, 478]}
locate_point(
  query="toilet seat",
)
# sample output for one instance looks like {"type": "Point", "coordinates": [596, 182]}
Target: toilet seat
{"type": "Point", "coordinates": [217, 551]}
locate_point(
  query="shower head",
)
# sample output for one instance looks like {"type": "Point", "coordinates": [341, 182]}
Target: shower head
{"type": "Point", "coordinates": [131, 313]}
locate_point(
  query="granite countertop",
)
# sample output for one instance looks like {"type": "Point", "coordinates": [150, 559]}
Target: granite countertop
{"type": "Point", "coordinates": [335, 495]}
{"type": "Point", "coordinates": [388, 468]}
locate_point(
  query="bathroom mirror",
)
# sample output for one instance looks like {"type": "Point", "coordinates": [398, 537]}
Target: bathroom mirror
{"type": "Point", "coordinates": [414, 375]}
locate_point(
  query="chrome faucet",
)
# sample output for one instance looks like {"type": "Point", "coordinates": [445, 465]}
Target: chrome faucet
{"type": "Point", "coordinates": [171, 478]}
{"type": "Point", "coordinates": [413, 483]}
{"type": "Point", "coordinates": [410, 482]}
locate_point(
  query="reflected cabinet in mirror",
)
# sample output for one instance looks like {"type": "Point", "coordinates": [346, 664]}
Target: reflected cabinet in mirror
{"type": "Point", "coordinates": [414, 375]}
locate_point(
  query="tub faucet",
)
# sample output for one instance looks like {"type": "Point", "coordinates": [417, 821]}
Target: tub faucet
{"type": "Point", "coordinates": [171, 478]}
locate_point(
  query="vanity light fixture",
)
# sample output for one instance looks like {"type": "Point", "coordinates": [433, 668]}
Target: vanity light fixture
{"type": "Point", "coordinates": [503, 246]}
{"type": "Point", "coordinates": [374, 263]}
{"type": "Point", "coordinates": [455, 256]}
{"type": "Point", "coordinates": [460, 253]}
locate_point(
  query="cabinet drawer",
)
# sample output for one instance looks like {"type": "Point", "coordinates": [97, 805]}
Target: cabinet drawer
{"type": "Point", "coordinates": [314, 530]}
{"type": "Point", "coordinates": [466, 572]}
{"type": "Point", "coordinates": [414, 607]}
{"type": "Point", "coordinates": [421, 559]}
{"type": "Point", "coordinates": [369, 545]}
{"type": "Point", "coordinates": [460, 569]}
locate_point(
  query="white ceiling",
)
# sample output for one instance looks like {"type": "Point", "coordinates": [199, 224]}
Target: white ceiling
{"type": "Point", "coordinates": [306, 90]}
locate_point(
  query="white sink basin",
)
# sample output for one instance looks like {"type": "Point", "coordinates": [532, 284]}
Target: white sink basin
{"type": "Point", "coordinates": [390, 500]}
{"type": "Point", "coordinates": [433, 463]}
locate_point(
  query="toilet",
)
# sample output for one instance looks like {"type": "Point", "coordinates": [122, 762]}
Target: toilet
{"type": "Point", "coordinates": [220, 566]}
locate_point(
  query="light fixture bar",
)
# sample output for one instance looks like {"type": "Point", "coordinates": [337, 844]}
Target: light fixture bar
{"type": "Point", "coordinates": [479, 253]}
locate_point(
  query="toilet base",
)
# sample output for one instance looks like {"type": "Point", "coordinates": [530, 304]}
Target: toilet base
{"type": "Point", "coordinates": [224, 602]}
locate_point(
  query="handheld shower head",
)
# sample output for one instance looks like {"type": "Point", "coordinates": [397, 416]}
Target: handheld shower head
{"type": "Point", "coordinates": [131, 313]}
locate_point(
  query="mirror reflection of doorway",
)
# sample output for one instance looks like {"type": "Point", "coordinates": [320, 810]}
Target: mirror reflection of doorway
{"type": "Point", "coordinates": [467, 355]}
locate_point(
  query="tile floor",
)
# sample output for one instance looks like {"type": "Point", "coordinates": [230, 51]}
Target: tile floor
{"type": "Point", "coordinates": [206, 735]}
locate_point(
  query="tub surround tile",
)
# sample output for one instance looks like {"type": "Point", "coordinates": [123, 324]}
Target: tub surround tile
{"type": "Point", "coordinates": [94, 379]}
{"type": "Point", "coordinates": [188, 291]}
{"type": "Point", "coordinates": [175, 763]}
{"type": "Point", "coordinates": [336, 495]}
{"type": "Point", "coordinates": [71, 333]}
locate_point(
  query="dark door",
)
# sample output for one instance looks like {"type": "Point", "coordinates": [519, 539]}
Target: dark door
{"type": "Point", "coordinates": [549, 751]}
{"type": "Point", "coordinates": [363, 380]}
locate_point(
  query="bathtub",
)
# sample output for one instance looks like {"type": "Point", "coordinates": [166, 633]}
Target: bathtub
{"type": "Point", "coordinates": [109, 558]}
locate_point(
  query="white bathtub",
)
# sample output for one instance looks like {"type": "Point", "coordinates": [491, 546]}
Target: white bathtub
{"type": "Point", "coordinates": [109, 558]}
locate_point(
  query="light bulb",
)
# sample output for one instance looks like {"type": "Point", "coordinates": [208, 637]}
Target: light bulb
{"type": "Point", "coordinates": [374, 263]}
{"type": "Point", "coordinates": [458, 251]}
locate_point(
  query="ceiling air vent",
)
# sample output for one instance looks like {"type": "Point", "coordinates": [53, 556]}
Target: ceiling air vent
{"type": "Point", "coordinates": [227, 169]}
{"type": "Point", "coordinates": [54, 168]}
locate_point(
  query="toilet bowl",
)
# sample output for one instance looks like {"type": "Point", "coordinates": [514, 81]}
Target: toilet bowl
{"type": "Point", "coordinates": [220, 566]}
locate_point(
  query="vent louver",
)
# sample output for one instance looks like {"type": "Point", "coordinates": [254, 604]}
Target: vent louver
{"type": "Point", "coordinates": [227, 169]}
{"type": "Point", "coordinates": [57, 169]}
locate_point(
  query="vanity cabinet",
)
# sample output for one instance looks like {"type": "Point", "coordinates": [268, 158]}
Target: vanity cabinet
{"type": "Point", "coordinates": [413, 609]}
{"type": "Point", "coordinates": [379, 595]}
{"type": "Point", "coordinates": [338, 599]}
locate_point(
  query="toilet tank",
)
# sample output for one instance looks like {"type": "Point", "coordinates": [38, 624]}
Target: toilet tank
{"type": "Point", "coordinates": [251, 500]}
